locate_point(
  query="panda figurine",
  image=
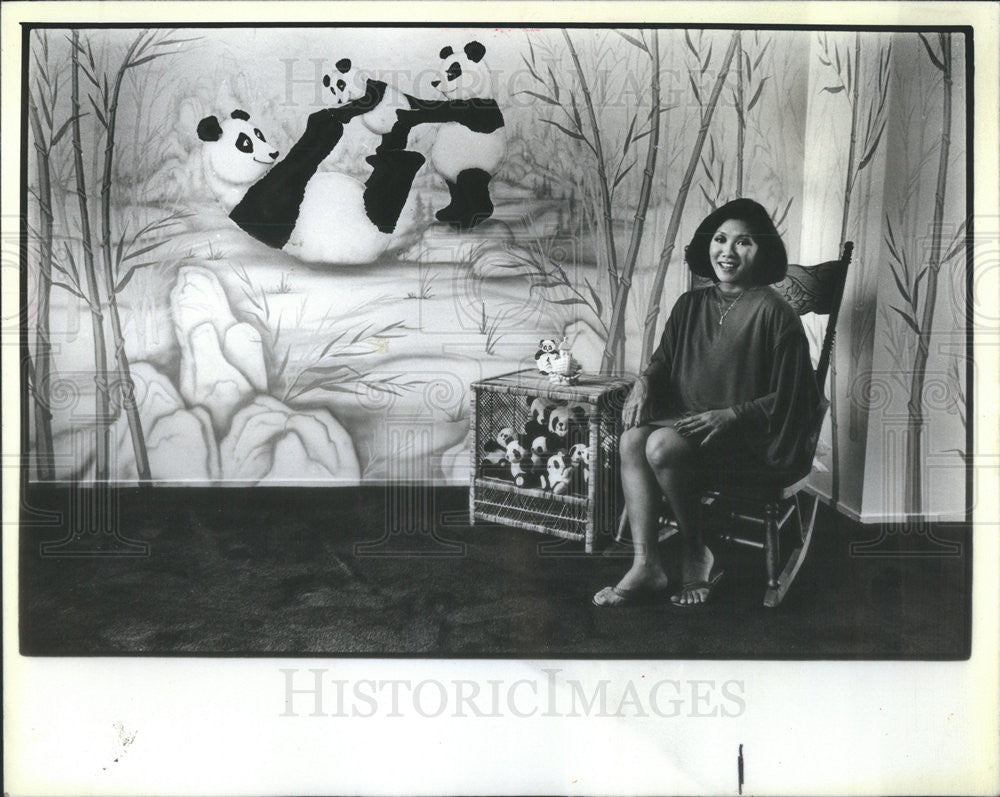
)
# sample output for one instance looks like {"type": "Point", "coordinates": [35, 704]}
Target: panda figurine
{"type": "Point", "coordinates": [289, 205]}
{"type": "Point", "coordinates": [348, 85]}
{"type": "Point", "coordinates": [472, 141]}
{"type": "Point", "coordinates": [547, 349]}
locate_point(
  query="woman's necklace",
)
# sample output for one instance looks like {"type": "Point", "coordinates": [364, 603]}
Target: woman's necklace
{"type": "Point", "coordinates": [725, 311]}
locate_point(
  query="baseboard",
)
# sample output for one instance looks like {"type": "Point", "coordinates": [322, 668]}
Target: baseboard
{"type": "Point", "coordinates": [884, 517]}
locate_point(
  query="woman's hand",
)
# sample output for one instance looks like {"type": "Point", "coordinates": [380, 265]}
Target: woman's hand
{"type": "Point", "coordinates": [706, 425]}
{"type": "Point", "coordinates": [636, 409]}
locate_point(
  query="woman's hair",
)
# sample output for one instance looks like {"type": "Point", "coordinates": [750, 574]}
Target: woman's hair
{"type": "Point", "coordinates": [771, 263]}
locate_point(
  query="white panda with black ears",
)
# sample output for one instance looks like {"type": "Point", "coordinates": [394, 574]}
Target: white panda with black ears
{"type": "Point", "coordinates": [472, 142]}
{"type": "Point", "coordinates": [348, 84]}
{"type": "Point", "coordinates": [319, 217]}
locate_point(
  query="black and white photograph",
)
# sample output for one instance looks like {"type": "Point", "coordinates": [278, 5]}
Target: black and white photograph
{"type": "Point", "coordinates": [517, 373]}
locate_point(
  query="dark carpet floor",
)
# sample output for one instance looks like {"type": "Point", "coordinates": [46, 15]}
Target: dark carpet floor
{"type": "Point", "coordinates": [325, 571]}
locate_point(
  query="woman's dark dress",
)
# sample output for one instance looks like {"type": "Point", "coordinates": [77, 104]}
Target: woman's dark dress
{"type": "Point", "coordinates": [756, 362]}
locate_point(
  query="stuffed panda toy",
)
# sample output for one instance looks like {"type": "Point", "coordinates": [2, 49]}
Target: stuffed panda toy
{"type": "Point", "coordinates": [564, 425]}
{"type": "Point", "coordinates": [287, 204]}
{"type": "Point", "coordinates": [559, 473]}
{"type": "Point", "coordinates": [347, 85]}
{"type": "Point", "coordinates": [538, 420]}
{"type": "Point", "coordinates": [472, 141]}
{"type": "Point", "coordinates": [494, 464]}
{"type": "Point", "coordinates": [579, 458]}
{"type": "Point", "coordinates": [504, 436]}
{"type": "Point", "coordinates": [579, 424]}
{"type": "Point", "coordinates": [520, 465]}
{"type": "Point", "coordinates": [539, 453]}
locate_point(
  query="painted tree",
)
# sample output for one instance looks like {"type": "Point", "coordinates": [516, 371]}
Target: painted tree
{"type": "Point", "coordinates": [90, 292]}
{"type": "Point", "coordinates": [865, 138]}
{"type": "Point", "coordinates": [43, 96]}
{"type": "Point", "coordinates": [673, 226]}
{"type": "Point", "coordinates": [119, 256]}
{"type": "Point", "coordinates": [749, 83]}
{"type": "Point", "coordinates": [920, 318]}
{"type": "Point", "coordinates": [615, 347]}
{"type": "Point", "coordinates": [612, 166]}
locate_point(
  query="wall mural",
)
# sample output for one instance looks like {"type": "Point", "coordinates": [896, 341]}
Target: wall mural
{"type": "Point", "coordinates": [282, 255]}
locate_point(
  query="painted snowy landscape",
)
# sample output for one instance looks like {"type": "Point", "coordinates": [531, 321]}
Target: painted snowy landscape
{"type": "Point", "coordinates": [251, 366]}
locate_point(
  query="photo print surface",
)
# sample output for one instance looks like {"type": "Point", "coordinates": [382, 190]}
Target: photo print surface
{"type": "Point", "coordinates": [267, 271]}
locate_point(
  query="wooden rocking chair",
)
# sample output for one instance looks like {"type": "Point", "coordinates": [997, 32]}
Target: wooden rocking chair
{"type": "Point", "coordinates": [764, 511]}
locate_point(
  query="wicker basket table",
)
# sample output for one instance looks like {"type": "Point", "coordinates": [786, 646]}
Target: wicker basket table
{"type": "Point", "coordinates": [503, 401]}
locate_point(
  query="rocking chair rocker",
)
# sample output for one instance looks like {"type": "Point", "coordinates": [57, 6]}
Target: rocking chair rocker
{"type": "Point", "coordinates": [766, 510]}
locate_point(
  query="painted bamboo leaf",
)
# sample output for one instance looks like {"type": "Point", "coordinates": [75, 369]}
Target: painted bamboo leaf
{"type": "Point", "coordinates": [957, 244]}
{"type": "Point", "coordinates": [555, 83]}
{"type": "Point", "coordinates": [690, 44]}
{"type": "Point", "coordinates": [900, 285]}
{"type": "Point", "coordinates": [916, 287]}
{"type": "Point", "coordinates": [565, 130]}
{"type": "Point", "coordinates": [598, 305]}
{"type": "Point", "coordinates": [694, 88]}
{"type": "Point", "coordinates": [633, 40]}
{"type": "Point", "coordinates": [621, 175]}
{"type": "Point", "coordinates": [930, 52]}
{"type": "Point", "coordinates": [531, 68]}
{"type": "Point", "coordinates": [756, 95]}
{"type": "Point", "coordinates": [760, 55]}
{"type": "Point", "coordinates": [120, 286]}
{"type": "Point", "coordinates": [538, 96]}
{"type": "Point", "coordinates": [780, 218]}
{"type": "Point", "coordinates": [909, 321]}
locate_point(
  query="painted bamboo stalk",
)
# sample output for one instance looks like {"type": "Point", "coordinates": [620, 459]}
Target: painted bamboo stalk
{"type": "Point", "coordinates": [863, 308]}
{"type": "Point", "coordinates": [741, 122]}
{"type": "Point", "coordinates": [673, 226]}
{"type": "Point", "coordinates": [609, 234]}
{"type": "Point", "coordinates": [848, 188]}
{"type": "Point", "coordinates": [125, 383]}
{"type": "Point", "coordinates": [616, 339]}
{"type": "Point", "coordinates": [913, 491]}
{"type": "Point", "coordinates": [44, 453]}
{"type": "Point", "coordinates": [102, 449]}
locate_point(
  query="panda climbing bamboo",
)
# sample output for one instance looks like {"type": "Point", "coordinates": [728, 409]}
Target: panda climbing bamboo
{"type": "Point", "coordinates": [288, 204]}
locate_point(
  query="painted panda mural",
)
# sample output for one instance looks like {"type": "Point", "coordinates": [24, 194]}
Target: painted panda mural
{"type": "Point", "coordinates": [316, 216]}
{"type": "Point", "coordinates": [348, 85]}
{"type": "Point", "coordinates": [471, 144]}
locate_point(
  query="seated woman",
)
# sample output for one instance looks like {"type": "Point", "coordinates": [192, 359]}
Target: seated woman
{"type": "Point", "coordinates": [728, 397]}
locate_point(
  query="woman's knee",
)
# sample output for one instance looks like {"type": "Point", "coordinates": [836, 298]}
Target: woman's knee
{"type": "Point", "coordinates": [632, 445]}
{"type": "Point", "coordinates": [665, 448]}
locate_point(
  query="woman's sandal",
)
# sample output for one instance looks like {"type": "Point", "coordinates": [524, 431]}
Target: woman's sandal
{"type": "Point", "coordinates": [623, 596]}
{"type": "Point", "coordinates": [709, 586]}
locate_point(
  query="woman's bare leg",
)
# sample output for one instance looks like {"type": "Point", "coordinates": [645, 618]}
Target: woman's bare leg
{"type": "Point", "coordinates": [642, 499]}
{"type": "Point", "coordinates": [671, 458]}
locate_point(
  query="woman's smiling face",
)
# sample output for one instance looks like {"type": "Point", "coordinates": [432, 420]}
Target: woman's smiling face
{"type": "Point", "coordinates": [732, 253]}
